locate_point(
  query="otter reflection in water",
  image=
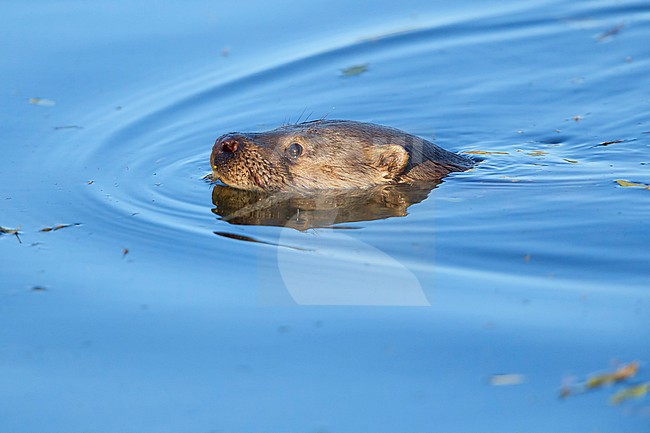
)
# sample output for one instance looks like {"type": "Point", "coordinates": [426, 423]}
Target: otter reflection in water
{"type": "Point", "coordinates": [315, 209]}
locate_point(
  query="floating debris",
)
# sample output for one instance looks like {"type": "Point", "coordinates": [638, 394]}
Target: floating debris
{"type": "Point", "coordinates": [484, 152]}
{"type": "Point", "coordinates": [355, 70]}
{"type": "Point", "coordinates": [607, 143]}
{"type": "Point", "coordinates": [125, 251]}
{"type": "Point", "coordinates": [570, 161]}
{"type": "Point", "coordinates": [627, 184]}
{"type": "Point", "coordinates": [610, 33]}
{"type": "Point", "coordinates": [58, 227]}
{"type": "Point", "coordinates": [7, 231]}
{"type": "Point", "coordinates": [636, 391]}
{"type": "Point", "coordinates": [42, 102]}
{"type": "Point", "coordinates": [507, 379]}
{"type": "Point", "coordinates": [15, 232]}
{"type": "Point", "coordinates": [624, 372]}
{"type": "Point", "coordinates": [537, 153]}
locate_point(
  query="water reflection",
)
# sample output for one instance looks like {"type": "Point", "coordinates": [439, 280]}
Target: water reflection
{"type": "Point", "coordinates": [302, 211]}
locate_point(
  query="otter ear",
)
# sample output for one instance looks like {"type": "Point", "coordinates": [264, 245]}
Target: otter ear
{"type": "Point", "coordinates": [390, 158]}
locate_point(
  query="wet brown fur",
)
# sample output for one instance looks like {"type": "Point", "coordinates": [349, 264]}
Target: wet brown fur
{"type": "Point", "coordinates": [336, 154]}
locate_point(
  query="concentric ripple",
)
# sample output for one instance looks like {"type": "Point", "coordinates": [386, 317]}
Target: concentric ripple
{"type": "Point", "coordinates": [145, 162]}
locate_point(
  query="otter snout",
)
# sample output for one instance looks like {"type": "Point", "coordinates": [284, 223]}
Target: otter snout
{"type": "Point", "coordinates": [225, 147]}
{"type": "Point", "coordinates": [229, 145]}
{"type": "Point", "coordinates": [226, 144]}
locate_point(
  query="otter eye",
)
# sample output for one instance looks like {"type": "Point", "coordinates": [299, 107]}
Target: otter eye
{"type": "Point", "coordinates": [294, 150]}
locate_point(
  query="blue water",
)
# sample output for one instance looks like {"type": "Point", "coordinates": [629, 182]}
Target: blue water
{"type": "Point", "coordinates": [140, 319]}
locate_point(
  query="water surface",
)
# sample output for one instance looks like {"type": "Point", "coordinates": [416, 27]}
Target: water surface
{"type": "Point", "coordinates": [141, 318]}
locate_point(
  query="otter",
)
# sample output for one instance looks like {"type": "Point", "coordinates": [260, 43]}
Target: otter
{"type": "Point", "coordinates": [329, 154]}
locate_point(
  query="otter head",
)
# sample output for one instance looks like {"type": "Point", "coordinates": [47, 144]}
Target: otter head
{"type": "Point", "coordinates": [308, 156]}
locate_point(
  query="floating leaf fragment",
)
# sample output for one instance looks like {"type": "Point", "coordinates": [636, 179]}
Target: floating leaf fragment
{"type": "Point", "coordinates": [484, 152]}
{"type": "Point", "coordinates": [636, 391]}
{"type": "Point", "coordinates": [624, 372]}
{"type": "Point", "coordinates": [610, 32]}
{"type": "Point", "coordinates": [15, 232]}
{"type": "Point", "coordinates": [570, 161]}
{"type": "Point", "coordinates": [58, 227]}
{"type": "Point", "coordinates": [353, 71]}
{"type": "Point", "coordinates": [42, 102]}
{"type": "Point", "coordinates": [626, 184]}
{"type": "Point", "coordinates": [507, 379]}
{"type": "Point", "coordinates": [607, 143]}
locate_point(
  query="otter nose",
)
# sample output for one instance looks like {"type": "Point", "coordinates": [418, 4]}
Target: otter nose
{"type": "Point", "coordinates": [229, 145]}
